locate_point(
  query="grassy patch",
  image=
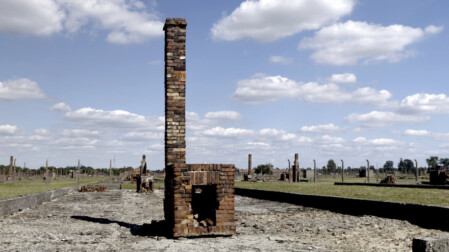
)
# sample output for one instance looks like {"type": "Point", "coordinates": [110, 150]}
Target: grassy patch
{"type": "Point", "coordinates": [129, 186]}
{"type": "Point", "coordinates": [436, 197]}
{"type": "Point", "coordinates": [157, 185]}
{"type": "Point", "coordinates": [9, 190]}
{"type": "Point", "coordinates": [401, 179]}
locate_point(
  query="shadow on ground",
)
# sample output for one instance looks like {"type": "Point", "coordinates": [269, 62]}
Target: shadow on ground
{"type": "Point", "coordinates": [155, 228]}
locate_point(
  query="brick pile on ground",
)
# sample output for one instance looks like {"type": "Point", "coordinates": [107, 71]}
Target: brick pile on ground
{"type": "Point", "coordinates": [390, 179]}
{"type": "Point", "coordinates": [92, 188]}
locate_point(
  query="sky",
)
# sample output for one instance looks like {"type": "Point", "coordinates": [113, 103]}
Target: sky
{"type": "Point", "coordinates": [328, 79]}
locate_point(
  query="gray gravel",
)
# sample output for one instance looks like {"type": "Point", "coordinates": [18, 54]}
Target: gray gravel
{"type": "Point", "coordinates": [122, 221]}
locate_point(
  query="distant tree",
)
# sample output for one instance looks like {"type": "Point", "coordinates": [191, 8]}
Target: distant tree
{"type": "Point", "coordinates": [263, 168]}
{"type": "Point", "coordinates": [388, 165]}
{"type": "Point", "coordinates": [42, 170]}
{"type": "Point", "coordinates": [444, 162]}
{"type": "Point", "coordinates": [409, 165]}
{"type": "Point", "coordinates": [331, 166]}
{"type": "Point", "coordinates": [432, 162]}
{"type": "Point", "coordinates": [401, 166]}
{"type": "Point", "coordinates": [3, 169]}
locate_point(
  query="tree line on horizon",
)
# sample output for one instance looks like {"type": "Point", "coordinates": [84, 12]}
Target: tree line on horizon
{"type": "Point", "coordinates": [4, 169]}
{"type": "Point", "coordinates": [403, 166]}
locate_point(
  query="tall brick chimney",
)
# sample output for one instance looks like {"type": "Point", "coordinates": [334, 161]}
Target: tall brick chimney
{"type": "Point", "coordinates": [175, 121]}
{"type": "Point", "coordinates": [175, 91]}
{"type": "Point", "coordinates": [199, 198]}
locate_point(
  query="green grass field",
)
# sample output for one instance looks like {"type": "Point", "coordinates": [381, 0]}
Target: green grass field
{"type": "Point", "coordinates": [436, 197]}
{"type": "Point", "coordinates": [24, 187]}
{"type": "Point", "coordinates": [401, 179]}
{"type": "Point", "coordinates": [408, 195]}
{"type": "Point", "coordinates": [9, 190]}
{"type": "Point", "coordinates": [157, 185]}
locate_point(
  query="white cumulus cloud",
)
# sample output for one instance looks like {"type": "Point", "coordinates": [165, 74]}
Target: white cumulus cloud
{"type": "Point", "coordinates": [143, 136]}
{"type": "Point", "coordinates": [383, 118]}
{"type": "Point", "coordinates": [425, 103]}
{"type": "Point", "coordinates": [228, 132]}
{"type": "Point", "coordinates": [224, 114]}
{"type": "Point", "coordinates": [262, 89]}
{"type": "Point", "coordinates": [80, 133]}
{"type": "Point", "coordinates": [39, 138]}
{"type": "Point", "coordinates": [268, 20]}
{"type": "Point", "coordinates": [21, 89]}
{"type": "Point", "coordinates": [348, 43]}
{"type": "Point", "coordinates": [258, 144]}
{"type": "Point", "coordinates": [330, 139]}
{"type": "Point", "coordinates": [61, 107]}
{"type": "Point", "coordinates": [196, 122]}
{"type": "Point", "coordinates": [323, 128]}
{"type": "Point", "coordinates": [343, 78]}
{"type": "Point", "coordinates": [281, 60]}
{"type": "Point", "coordinates": [384, 141]}
{"type": "Point", "coordinates": [360, 140]}
{"type": "Point", "coordinates": [378, 142]}
{"type": "Point", "coordinates": [41, 131]}
{"type": "Point", "coordinates": [126, 21]}
{"type": "Point", "coordinates": [265, 89]}
{"type": "Point", "coordinates": [425, 133]}
{"type": "Point", "coordinates": [37, 17]}
{"type": "Point", "coordinates": [276, 134]}
{"type": "Point", "coordinates": [411, 132]}
{"type": "Point", "coordinates": [372, 97]}
{"type": "Point", "coordinates": [7, 129]}
{"type": "Point", "coordinates": [70, 142]}
{"type": "Point", "coordinates": [112, 118]}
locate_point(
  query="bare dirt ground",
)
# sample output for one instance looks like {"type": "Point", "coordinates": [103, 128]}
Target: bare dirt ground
{"type": "Point", "coordinates": [125, 221]}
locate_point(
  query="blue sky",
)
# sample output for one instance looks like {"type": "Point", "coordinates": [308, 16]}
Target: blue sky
{"type": "Point", "coordinates": [339, 79]}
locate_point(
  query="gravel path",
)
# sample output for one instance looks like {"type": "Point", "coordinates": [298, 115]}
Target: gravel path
{"type": "Point", "coordinates": [126, 221]}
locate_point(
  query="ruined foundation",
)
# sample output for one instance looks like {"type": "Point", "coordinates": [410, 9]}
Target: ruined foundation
{"type": "Point", "coordinates": [439, 177]}
{"type": "Point", "coordinates": [11, 173]}
{"type": "Point", "coordinates": [199, 199]}
{"type": "Point", "coordinates": [248, 177]}
{"type": "Point", "coordinates": [296, 169]}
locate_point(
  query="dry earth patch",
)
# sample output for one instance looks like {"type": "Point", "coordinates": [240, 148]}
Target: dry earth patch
{"type": "Point", "coordinates": [125, 221]}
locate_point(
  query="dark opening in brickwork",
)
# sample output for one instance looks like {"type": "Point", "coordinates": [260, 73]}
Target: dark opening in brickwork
{"type": "Point", "coordinates": [205, 204]}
